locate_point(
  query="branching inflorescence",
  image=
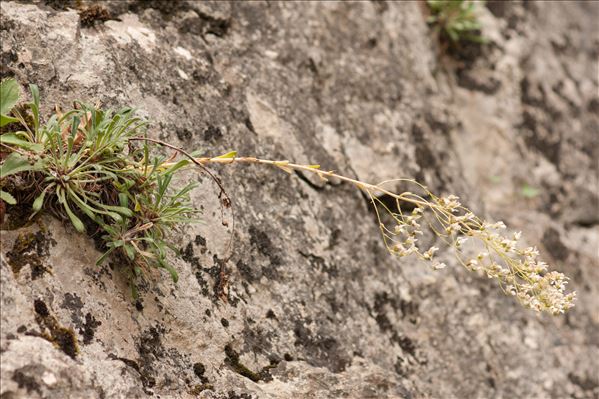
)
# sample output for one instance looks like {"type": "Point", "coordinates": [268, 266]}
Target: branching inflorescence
{"type": "Point", "coordinates": [96, 166]}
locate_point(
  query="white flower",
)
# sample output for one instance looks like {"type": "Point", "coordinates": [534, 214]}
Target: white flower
{"type": "Point", "coordinates": [439, 265]}
{"type": "Point", "coordinates": [473, 264]}
{"type": "Point", "coordinates": [499, 225]}
{"type": "Point", "coordinates": [459, 241]}
{"type": "Point", "coordinates": [517, 235]}
{"type": "Point", "coordinates": [400, 229]}
{"type": "Point", "coordinates": [428, 255]}
{"type": "Point", "coordinates": [454, 227]}
{"type": "Point", "coordinates": [410, 240]}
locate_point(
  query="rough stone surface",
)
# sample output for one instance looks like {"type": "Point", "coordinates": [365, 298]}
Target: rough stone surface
{"type": "Point", "coordinates": [315, 307]}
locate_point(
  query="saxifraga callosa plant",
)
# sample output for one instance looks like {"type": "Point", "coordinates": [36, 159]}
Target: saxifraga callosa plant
{"type": "Point", "coordinates": [456, 20]}
{"type": "Point", "coordinates": [95, 165]}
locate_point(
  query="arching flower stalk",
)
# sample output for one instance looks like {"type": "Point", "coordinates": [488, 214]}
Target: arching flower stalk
{"type": "Point", "coordinates": [517, 269]}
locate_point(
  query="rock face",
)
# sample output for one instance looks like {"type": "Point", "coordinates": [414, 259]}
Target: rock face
{"type": "Point", "coordinates": [315, 306]}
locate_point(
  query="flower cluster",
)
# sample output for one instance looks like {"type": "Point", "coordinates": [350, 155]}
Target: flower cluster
{"type": "Point", "coordinates": [518, 269]}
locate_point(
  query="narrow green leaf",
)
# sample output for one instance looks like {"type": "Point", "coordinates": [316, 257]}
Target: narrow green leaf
{"type": "Point", "coordinates": [124, 200]}
{"type": "Point", "coordinates": [102, 258]}
{"type": "Point", "coordinates": [177, 166]}
{"type": "Point", "coordinates": [170, 269]}
{"type": "Point", "coordinates": [77, 223]}
{"type": "Point", "coordinates": [120, 209]}
{"type": "Point", "coordinates": [6, 197]}
{"type": "Point", "coordinates": [115, 244]}
{"type": "Point", "coordinates": [35, 105]}
{"type": "Point", "coordinates": [39, 201]}
{"type": "Point", "coordinates": [14, 139]}
{"type": "Point", "coordinates": [134, 292]}
{"type": "Point", "coordinates": [9, 95]}
{"type": "Point", "coordinates": [5, 120]}
{"type": "Point", "coordinates": [130, 251]}
{"type": "Point", "coordinates": [231, 154]}
{"type": "Point", "coordinates": [14, 163]}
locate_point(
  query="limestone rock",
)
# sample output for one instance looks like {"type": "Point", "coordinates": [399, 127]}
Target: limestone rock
{"type": "Point", "coordinates": [316, 308]}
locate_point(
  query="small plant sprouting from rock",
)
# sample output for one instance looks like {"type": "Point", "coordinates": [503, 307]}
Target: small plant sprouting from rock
{"type": "Point", "coordinates": [456, 20]}
{"type": "Point", "coordinates": [94, 165]}
{"type": "Point", "coordinates": [82, 166]}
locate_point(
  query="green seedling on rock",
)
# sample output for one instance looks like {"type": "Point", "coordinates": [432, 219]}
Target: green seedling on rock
{"type": "Point", "coordinates": [456, 20]}
{"type": "Point", "coordinates": [96, 169]}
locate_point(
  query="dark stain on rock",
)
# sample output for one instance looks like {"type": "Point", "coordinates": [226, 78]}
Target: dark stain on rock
{"type": "Point", "coordinates": [184, 134]}
{"type": "Point", "coordinates": [246, 271]}
{"type": "Point", "coordinates": [17, 215]}
{"type": "Point", "coordinates": [473, 80]}
{"type": "Point", "coordinates": [257, 339]}
{"type": "Point", "coordinates": [467, 52]}
{"type": "Point", "coordinates": [199, 369]}
{"type": "Point", "coordinates": [538, 120]}
{"type": "Point", "coordinates": [381, 300]}
{"type": "Point", "coordinates": [321, 350]}
{"type": "Point", "coordinates": [188, 255]}
{"type": "Point", "coordinates": [215, 25]}
{"type": "Point", "coordinates": [399, 367]}
{"type": "Point", "coordinates": [150, 349]}
{"type": "Point", "coordinates": [408, 309]}
{"type": "Point", "coordinates": [405, 343]}
{"type": "Point", "coordinates": [220, 275]}
{"type": "Point", "coordinates": [320, 264]}
{"type": "Point", "coordinates": [62, 5]}
{"type": "Point", "coordinates": [24, 379]}
{"type": "Point", "coordinates": [587, 384]}
{"type": "Point", "coordinates": [199, 240]}
{"type": "Point", "coordinates": [73, 303]}
{"type": "Point", "coordinates": [224, 322]}
{"type": "Point", "coordinates": [212, 133]}
{"type": "Point", "coordinates": [424, 155]}
{"type": "Point", "coordinates": [93, 15]}
{"type": "Point", "coordinates": [235, 395]}
{"type": "Point", "coordinates": [233, 361]}
{"type": "Point", "coordinates": [62, 337]}
{"type": "Point", "coordinates": [41, 308]}
{"type": "Point", "coordinates": [150, 343]}
{"type": "Point", "coordinates": [199, 388]}
{"type": "Point", "coordinates": [271, 315]}
{"type": "Point", "coordinates": [86, 328]}
{"type": "Point", "coordinates": [260, 240]}
{"type": "Point", "coordinates": [66, 340]}
{"type": "Point", "coordinates": [554, 245]}
{"type": "Point", "coordinates": [217, 272]}
{"type": "Point", "coordinates": [89, 328]}
{"type": "Point", "coordinates": [31, 249]}
{"type": "Point", "coordinates": [165, 7]}
{"type": "Point", "coordinates": [147, 381]}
